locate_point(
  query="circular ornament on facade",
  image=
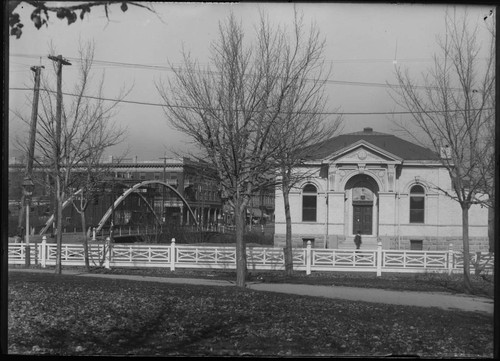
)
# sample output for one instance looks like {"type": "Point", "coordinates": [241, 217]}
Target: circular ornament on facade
{"type": "Point", "coordinates": [361, 154]}
{"type": "Point", "coordinates": [381, 173]}
{"type": "Point", "coordinates": [342, 173]}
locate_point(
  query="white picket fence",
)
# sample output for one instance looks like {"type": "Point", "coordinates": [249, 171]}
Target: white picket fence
{"type": "Point", "coordinates": [258, 258]}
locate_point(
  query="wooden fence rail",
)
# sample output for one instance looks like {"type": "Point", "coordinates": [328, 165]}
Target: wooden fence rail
{"type": "Point", "coordinates": [104, 253]}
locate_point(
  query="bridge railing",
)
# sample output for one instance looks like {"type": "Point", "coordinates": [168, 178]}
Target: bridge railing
{"type": "Point", "coordinates": [258, 258]}
{"type": "Point", "coordinates": [142, 230]}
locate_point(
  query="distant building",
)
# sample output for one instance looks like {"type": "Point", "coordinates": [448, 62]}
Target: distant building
{"type": "Point", "coordinates": [191, 179]}
{"type": "Point", "coordinates": [382, 186]}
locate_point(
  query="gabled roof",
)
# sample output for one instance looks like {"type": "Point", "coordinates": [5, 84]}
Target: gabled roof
{"type": "Point", "coordinates": [388, 142]}
{"type": "Point", "coordinates": [373, 150]}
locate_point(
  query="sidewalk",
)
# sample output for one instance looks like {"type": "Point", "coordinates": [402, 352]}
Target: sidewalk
{"type": "Point", "coordinates": [441, 300]}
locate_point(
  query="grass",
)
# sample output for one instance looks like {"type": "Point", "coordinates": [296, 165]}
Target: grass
{"type": "Point", "coordinates": [70, 315]}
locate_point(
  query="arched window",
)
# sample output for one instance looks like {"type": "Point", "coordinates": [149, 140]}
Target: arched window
{"type": "Point", "coordinates": [309, 203]}
{"type": "Point", "coordinates": [417, 204]}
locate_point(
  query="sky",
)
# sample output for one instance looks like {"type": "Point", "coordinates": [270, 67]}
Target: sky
{"type": "Point", "coordinates": [364, 43]}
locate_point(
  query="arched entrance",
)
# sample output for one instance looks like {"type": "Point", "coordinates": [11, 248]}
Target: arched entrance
{"type": "Point", "coordinates": [361, 205]}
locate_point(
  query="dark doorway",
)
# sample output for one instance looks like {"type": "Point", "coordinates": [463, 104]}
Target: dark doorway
{"type": "Point", "coordinates": [362, 219]}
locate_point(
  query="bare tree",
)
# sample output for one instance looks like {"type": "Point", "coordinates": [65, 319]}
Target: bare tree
{"type": "Point", "coordinates": [231, 108]}
{"type": "Point", "coordinates": [302, 125]}
{"type": "Point", "coordinates": [91, 172]}
{"type": "Point", "coordinates": [87, 130]}
{"type": "Point", "coordinates": [488, 161]}
{"type": "Point", "coordinates": [453, 109]}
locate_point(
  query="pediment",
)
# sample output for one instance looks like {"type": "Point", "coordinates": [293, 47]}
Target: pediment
{"type": "Point", "coordinates": [363, 152]}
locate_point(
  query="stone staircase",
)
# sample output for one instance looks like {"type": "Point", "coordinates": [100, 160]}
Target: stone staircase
{"type": "Point", "coordinates": [368, 243]}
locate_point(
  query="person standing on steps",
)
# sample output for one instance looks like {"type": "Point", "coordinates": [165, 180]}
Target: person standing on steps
{"type": "Point", "coordinates": [357, 240]}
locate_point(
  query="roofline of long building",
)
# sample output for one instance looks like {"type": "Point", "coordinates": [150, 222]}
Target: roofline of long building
{"type": "Point", "coordinates": [121, 165]}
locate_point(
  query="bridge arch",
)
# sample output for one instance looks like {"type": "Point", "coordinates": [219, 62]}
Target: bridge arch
{"type": "Point", "coordinates": [129, 191]}
{"type": "Point", "coordinates": [64, 205]}
{"type": "Point", "coordinates": [151, 208]}
{"type": "Point", "coordinates": [118, 201]}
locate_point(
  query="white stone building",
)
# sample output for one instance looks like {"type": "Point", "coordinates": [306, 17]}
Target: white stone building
{"type": "Point", "coordinates": [384, 187]}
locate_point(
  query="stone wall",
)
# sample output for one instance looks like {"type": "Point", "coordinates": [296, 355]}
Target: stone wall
{"type": "Point", "coordinates": [476, 244]}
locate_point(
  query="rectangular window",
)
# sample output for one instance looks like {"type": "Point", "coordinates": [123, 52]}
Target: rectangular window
{"type": "Point", "coordinates": [416, 245]}
{"type": "Point", "coordinates": [417, 210]}
{"type": "Point", "coordinates": [143, 176]}
{"type": "Point", "coordinates": [309, 208]}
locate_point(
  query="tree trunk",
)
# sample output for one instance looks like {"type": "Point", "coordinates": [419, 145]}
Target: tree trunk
{"type": "Point", "coordinates": [465, 240]}
{"type": "Point", "coordinates": [288, 232]}
{"type": "Point", "coordinates": [22, 210]}
{"type": "Point", "coordinates": [491, 229]}
{"type": "Point", "coordinates": [85, 241]}
{"type": "Point", "coordinates": [241, 259]}
{"type": "Point", "coordinates": [59, 204]}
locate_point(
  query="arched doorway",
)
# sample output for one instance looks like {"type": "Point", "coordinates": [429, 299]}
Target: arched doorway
{"type": "Point", "coordinates": [361, 205]}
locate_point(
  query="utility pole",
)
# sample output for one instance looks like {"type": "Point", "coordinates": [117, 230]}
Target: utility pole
{"type": "Point", "coordinates": [34, 116]}
{"type": "Point", "coordinates": [163, 215]}
{"type": "Point", "coordinates": [31, 144]}
{"type": "Point", "coordinates": [28, 183]}
{"type": "Point", "coordinates": [57, 159]}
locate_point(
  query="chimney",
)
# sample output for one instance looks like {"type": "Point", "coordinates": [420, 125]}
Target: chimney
{"type": "Point", "coordinates": [368, 130]}
{"type": "Point", "coordinates": [445, 152]}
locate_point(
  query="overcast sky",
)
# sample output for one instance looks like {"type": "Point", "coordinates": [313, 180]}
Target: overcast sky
{"type": "Point", "coordinates": [363, 43]}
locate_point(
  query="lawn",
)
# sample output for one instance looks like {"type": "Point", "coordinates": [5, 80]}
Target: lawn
{"type": "Point", "coordinates": [70, 315]}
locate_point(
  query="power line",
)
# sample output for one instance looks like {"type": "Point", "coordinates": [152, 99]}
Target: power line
{"type": "Point", "coordinates": [333, 61]}
{"type": "Point", "coordinates": [170, 68]}
{"type": "Point", "coordinates": [204, 108]}
{"type": "Point", "coordinates": [352, 60]}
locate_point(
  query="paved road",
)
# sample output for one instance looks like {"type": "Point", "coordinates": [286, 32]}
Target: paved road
{"type": "Point", "coordinates": [422, 299]}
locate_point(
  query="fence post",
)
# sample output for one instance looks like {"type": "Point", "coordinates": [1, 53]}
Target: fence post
{"type": "Point", "coordinates": [308, 258]}
{"type": "Point", "coordinates": [36, 249]}
{"type": "Point", "coordinates": [43, 252]}
{"type": "Point", "coordinates": [172, 255]}
{"type": "Point", "coordinates": [379, 259]}
{"type": "Point", "coordinates": [450, 258]}
{"type": "Point", "coordinates": [108, 253]}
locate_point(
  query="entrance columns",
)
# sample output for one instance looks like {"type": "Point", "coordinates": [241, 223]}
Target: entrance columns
{"type": "Point", "coordinates": [387, 216]}
{"type": "Point", "coordinates": [336, 212]}
{"type": "Point", "coordinates": [336, 218]}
